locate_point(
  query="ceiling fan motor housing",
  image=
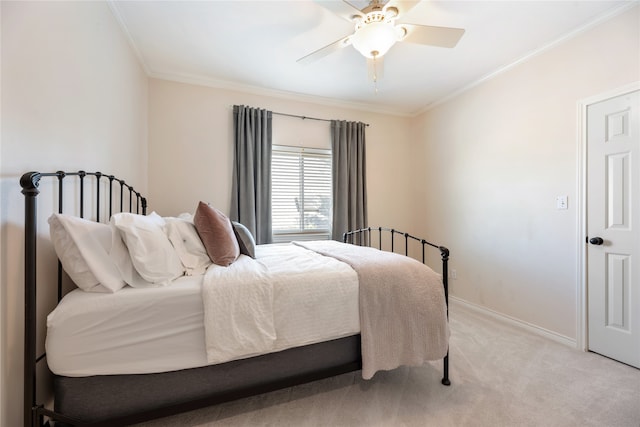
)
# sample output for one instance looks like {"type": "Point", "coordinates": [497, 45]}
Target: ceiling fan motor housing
{"type": "Point", "coordinates": [375, 33]}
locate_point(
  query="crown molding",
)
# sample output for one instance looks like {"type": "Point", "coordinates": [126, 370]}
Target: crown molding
{"type": "Point", "coordinates": [578, 31]}
{"type": "Point", "coordinates": [359, 106]}
{"type": "Point", "coordinates": [253, 90]}
{"type": "Point", "coordinates": [113, 5]}
{"type": "Point", "coordinates": [273, 93]}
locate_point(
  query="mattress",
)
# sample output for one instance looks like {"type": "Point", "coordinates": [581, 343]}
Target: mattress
{"type": "Point", "coordinates": [150, 330]}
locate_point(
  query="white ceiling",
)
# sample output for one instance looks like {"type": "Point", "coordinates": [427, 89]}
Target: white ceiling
{"type": "Point", "coordinates": [254, 45]}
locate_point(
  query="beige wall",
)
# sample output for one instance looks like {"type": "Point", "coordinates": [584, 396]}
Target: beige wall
{"type": "Point", "coordinates": [73, 96]}
{"type": "Point", "coordinates": [497, 156]}
{"type": "Point", "coordinates": [191, 147]}
{"type": "Point", "coordinates": [492, 160]}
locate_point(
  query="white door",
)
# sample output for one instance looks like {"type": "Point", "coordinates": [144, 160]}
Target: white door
{"type": "Point", "coordinates": [613, 227]}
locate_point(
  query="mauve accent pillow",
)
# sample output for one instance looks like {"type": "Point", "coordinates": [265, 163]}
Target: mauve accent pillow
{"type": "Point", "coordinates": [216, 232]}
{"type": "Point", "coordinates": [245, 239]}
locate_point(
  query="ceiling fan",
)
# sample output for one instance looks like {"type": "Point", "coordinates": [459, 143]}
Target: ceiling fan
{"type": "Point", "coordinates": [377, 29]}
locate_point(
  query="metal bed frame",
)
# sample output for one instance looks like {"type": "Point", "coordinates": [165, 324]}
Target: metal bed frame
{"type": "Point", "coordinates": [34, 412]}
{"type": "Point", "coordinates": [364, 235]}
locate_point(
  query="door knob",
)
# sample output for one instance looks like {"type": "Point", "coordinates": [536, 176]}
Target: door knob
{"type": "Point", "coordinates": [596, 240]}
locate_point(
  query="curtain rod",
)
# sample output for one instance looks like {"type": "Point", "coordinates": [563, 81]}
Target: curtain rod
{"type": "Point", "coordinates": [305, 117]}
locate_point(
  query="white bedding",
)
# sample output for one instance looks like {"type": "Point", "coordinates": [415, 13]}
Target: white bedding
{"type": "Point", "coordinates": [288, 296]}
{"type": "Point", "coordinates": [314, 298]}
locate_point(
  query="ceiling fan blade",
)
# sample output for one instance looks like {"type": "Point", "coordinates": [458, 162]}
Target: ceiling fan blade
{"type": "Point", "coordinates": [433, 36]}
{"type": "Point", "coordinates": [324, 51]}
{"type": "Point", "coordinates": [403, 6]}
{"type": "Point", "coordinates": [341, 8]}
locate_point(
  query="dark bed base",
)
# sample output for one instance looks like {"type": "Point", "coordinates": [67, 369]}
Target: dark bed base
{"type": "Point", "coordinates": [136, 398]}
{"type": "Point", "coordinates": [127, 399]}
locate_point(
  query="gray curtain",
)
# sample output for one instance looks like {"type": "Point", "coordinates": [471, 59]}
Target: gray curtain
{"type": "Point", "coordinates": [251, 183]}
{"type": "Point", "coordinates": [349, 177]}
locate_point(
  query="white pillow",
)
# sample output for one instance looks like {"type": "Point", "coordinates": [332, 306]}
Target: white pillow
{"type": "Point", "coordinates": [150, 250]}
{"type": "Point", "coordinates": [83, 249]}
{"type": "Point", "coordinates": [120, 256]}
{"type": "Point", "coordinates": [185, 239]}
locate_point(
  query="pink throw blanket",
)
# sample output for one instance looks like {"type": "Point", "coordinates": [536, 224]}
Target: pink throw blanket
{"type": "Point", "coordinates": [403, 318]}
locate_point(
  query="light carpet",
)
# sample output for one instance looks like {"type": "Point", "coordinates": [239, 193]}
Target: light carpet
{"type": "Point", "coordinates": [501, 376]}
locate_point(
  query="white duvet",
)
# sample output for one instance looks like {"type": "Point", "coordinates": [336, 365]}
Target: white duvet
{"type": "Point", "coordinates": [299, 296]}
{"type": "Point", "coordinates": [238, 310]}
{"type": "Point", "coordinates": [287, 296]}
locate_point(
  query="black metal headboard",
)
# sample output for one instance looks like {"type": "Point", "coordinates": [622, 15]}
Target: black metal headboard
{"type": "Point", "coordinates": [33, 412]}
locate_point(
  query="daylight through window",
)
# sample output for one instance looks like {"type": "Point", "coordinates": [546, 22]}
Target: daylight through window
{"type": "Point", "coordinates": [301, 194]}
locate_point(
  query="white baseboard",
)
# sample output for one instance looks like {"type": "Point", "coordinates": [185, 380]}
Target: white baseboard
{"type": "Point", "coordinates": [554, 336]}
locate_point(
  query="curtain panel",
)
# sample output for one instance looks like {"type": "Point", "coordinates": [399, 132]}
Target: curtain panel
{"type": "Point", "coordinates": [251, 182]}
{"type": "Point", "coordinates": [349, 177]}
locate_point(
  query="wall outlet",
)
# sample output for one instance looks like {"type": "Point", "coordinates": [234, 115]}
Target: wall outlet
{"type": "Point", "coordinates": [453, 273]}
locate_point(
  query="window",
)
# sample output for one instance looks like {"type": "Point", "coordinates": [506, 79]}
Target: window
{"type": "Point", "coordinates": [301, 194]}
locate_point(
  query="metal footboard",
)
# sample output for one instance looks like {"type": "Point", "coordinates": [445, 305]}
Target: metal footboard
{"type": "Point", "coordinates": [363, 237]}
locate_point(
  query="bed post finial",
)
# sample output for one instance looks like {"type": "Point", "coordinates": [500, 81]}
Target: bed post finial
{"type": "Point", "coordinates": [29, 183]}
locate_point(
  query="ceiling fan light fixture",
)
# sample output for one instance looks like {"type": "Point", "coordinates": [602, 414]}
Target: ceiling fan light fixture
{"type": "Point", "coordinates": [376, 36]}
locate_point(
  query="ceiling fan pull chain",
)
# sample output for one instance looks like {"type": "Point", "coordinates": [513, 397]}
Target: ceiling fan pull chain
{"type": "Point", "coordinates": [375, 71]}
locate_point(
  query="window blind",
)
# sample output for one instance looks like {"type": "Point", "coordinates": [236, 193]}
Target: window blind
{"type": "Point", "coordinates": [301, 193]}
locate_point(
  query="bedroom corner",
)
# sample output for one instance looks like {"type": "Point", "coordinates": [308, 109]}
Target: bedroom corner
{"type": "Point", "coordinates": [74, 95]}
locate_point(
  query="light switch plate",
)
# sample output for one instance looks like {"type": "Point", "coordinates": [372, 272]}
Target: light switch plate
{"type": "Point", "coordinates": [562, 202]}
